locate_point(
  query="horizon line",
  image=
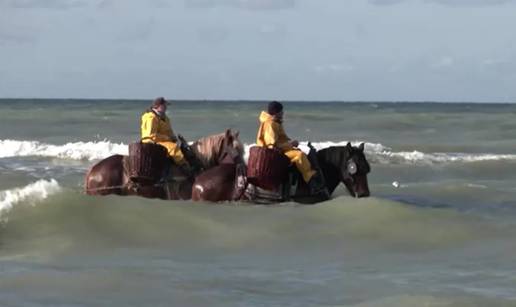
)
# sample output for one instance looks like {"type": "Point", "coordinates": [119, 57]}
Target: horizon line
{"type": "Point", "coordinates": [265, 100]}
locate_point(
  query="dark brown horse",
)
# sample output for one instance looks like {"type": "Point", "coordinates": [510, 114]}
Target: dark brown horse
{"type": "Point", "coordinates": [338, 164]}
{"type": "Point", "coordinates": [110, 177]}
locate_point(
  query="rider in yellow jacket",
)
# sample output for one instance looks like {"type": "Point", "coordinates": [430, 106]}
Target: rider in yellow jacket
{"type": "Point", "coordinates": [272, 135]}
{"type": "Point", "coordinates": [156, 128]}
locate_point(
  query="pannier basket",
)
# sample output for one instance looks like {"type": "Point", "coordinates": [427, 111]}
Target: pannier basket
{"type": "Point", "coordinates": [267, 168]}
{"type": "Point", "coordinates": [147, 162]}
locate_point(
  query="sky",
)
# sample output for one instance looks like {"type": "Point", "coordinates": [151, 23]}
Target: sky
{"type": "Point", "coordinates": [349, 50]}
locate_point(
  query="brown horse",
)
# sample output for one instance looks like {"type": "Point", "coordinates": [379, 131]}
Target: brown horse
{"type": "Point", "coordinates": [110, 177]}
{"type": "Point", "coordinates": [338, 164]}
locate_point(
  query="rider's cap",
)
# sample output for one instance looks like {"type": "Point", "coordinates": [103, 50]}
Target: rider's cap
{"type": "Point", "coordinates": [159, 101]}
{"type": "Point", "coordinates": [274, 108]}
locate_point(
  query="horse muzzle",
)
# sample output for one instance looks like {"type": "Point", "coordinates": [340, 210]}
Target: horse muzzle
{"type": "Point", "coordinates": [361, 187]}
{"type": "Point", "coordinates": [362, 194]}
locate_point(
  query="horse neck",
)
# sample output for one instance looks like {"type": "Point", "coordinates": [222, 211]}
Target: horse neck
{"type": "Point", "coordinates": [208, 149]}
{"type": "Point", "coordinates": [329, 162]}
{"type": "Point", "coordinates": [331, 177]}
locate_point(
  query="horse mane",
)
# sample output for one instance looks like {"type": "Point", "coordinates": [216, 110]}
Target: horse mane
{"type": "Point", "coordinates": [334, 155]}
{"type": "Point", "coordinates": [208, 149]}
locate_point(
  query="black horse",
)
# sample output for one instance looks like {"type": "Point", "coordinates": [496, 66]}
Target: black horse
{"type": "Point", "coordinates": [338, 164]}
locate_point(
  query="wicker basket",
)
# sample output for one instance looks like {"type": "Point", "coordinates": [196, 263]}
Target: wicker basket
{"type": "Point", "coordinates": [267, 168]}
{"type": "Point", "coordinates": [147, 162]}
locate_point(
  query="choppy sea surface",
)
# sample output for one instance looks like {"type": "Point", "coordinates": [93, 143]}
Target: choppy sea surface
{"type": "Point", "coordinates": [442, 235]}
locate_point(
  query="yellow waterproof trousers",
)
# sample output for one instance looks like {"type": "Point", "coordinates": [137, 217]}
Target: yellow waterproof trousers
{"type": "Point", "coordinates": [299, 158]}
{"type": "Point", "coordinates": [174, 152]}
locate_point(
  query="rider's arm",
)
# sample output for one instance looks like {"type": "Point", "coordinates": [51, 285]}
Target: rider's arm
{"type": "Point", "coordinates": [150, 127]}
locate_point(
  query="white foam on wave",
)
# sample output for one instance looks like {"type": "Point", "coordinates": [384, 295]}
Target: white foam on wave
{"type": "Point", "coordinates": [378, 153]}
{"type": "Point", "coordinates": [31, 193]}
{"type": "Point", "coordinates": [375, 152]}
{"type": "Point", "coordinates": [75, 151]}
{"type": "Point", "coordinates": [420, 158]}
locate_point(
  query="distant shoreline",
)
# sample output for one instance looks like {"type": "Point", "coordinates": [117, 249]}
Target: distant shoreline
{"type": "Point", "coordinates": [3, 100]}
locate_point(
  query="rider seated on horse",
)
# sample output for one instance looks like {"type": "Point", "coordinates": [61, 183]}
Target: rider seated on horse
{"type": "Point", "coordinates": [155, 127]}
{"type": "Point", "coordinates": [272, 135]}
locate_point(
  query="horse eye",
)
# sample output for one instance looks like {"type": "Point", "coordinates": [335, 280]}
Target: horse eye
{"type": "Point", "coordinates": [352, 168]}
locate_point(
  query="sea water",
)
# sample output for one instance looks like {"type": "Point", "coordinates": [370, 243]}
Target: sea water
{"type": "Point", "coordinates": [442, 235]}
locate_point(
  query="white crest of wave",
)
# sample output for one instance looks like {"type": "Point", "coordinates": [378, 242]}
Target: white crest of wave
{"type": "Point", "coordinates": [31, 193]}
{"type": "Point", "coordinates": [375, 152]}
{"type": "Point", "coordinates": [378, 153]}
{"type": "Point", "coordinates": [76, 150]}
{"type": "Point", "coordinates": [417, 157]}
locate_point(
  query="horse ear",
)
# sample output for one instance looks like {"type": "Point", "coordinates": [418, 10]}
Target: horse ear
{"type": "Point", "coordinates": [361, 147]}
{"type": "Point", "coordinates": [349, 146]}
{"type": "Point", "coordinates": [228, 136]}
{"type": "Point", "coordinates": [236, 134]}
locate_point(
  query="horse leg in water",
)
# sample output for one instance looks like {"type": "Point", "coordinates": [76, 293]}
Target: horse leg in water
{"type": "Point", "coordinates": [181, 190]}
{"type": "Point", "coordinates": [215, 184]}
{"type": "Point", "coordinates": [106, 177]}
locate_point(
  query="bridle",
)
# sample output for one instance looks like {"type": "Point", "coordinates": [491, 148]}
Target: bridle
{"type": "Point", "coordinates": [351, 170]}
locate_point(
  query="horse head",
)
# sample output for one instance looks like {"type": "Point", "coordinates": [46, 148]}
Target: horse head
{"type": "Point", "coordinates": [354, 169]}
{"type": "Point", "coordinates": [211, 150]}
{"type": "Point", "coordinates": [347, 165]}
{"type": "Point", "coordinates": [232, 149]}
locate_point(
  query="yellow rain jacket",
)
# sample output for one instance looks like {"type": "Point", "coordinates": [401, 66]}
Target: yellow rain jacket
{"type": "Point", "coordinates": [157, 129]}
{"type": "Point", "coordinates": [272, 135]}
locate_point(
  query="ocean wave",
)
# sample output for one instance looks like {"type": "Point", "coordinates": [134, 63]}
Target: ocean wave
{"type": "Point", "coordinates": [419, 158]}
{"type": "Point", "coordinates": [31, 193]}
{"type": "Point", "coordinates": [381, 154]}
{"type": "Point", "coordinates": [376, 152]}
{"type": "Point", "coordinates": [82, 220]}
{"type": "Point", "coordinates": [75, 151]}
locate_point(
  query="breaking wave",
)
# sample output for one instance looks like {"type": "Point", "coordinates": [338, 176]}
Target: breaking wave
{"type": "Point", "coordinates": [376, 152]}
{"type": "Point", "coordinates": [75, 151]}
{"type": "Point", "coordinates": [31, 193]}
{"type": "Point", "coordinates": [417, 157]}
